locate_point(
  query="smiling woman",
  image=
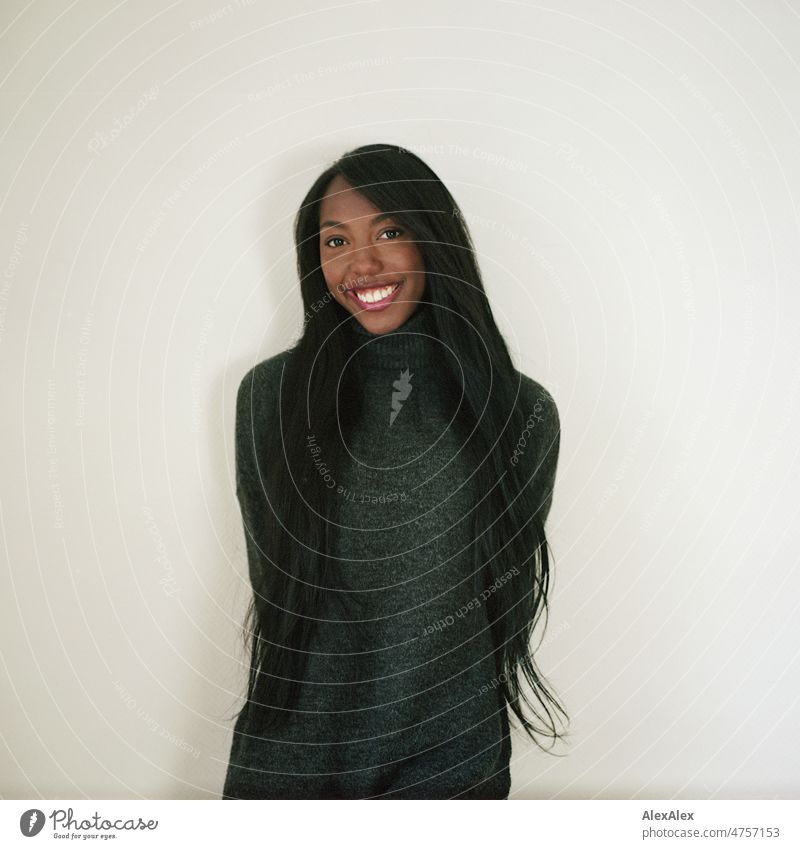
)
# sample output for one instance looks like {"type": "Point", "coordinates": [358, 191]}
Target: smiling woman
{"type": "Point", "coordinates": [370, 264]}
{"type": "Point", "coordinates": [394, 528]}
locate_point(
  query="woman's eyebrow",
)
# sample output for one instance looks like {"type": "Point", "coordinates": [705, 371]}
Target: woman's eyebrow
{"type": "Point", "coordinates": [375, 220]}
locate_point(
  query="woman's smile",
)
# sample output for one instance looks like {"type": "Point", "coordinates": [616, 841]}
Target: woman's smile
{"type": "Point", "coordinates": [376, 297]}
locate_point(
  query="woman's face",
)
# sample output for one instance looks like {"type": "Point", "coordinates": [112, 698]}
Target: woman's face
{"type": "Point", "coordinates": [373, 268]}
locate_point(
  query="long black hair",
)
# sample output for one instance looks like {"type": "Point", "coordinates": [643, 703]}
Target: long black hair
{"type": "Point", "coordinates": [299, 514]}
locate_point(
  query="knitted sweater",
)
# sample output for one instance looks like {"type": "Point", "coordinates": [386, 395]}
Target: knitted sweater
{"type": "Point", "coordinates": [400, 696]}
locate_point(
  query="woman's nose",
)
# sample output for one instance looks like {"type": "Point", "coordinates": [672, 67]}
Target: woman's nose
{"type": "Point", "coordinates": [365, 260]}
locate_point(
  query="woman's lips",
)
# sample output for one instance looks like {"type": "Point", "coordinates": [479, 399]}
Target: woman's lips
{"type": "Point", "coordinates": [376, 305]}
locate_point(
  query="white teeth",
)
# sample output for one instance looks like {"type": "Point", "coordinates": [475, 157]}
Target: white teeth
{"type": "Point", "coordinates": [369, 296]}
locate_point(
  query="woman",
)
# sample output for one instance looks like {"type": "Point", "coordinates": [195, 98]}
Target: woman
{"type": "Point", "coordinates": [394, 473]}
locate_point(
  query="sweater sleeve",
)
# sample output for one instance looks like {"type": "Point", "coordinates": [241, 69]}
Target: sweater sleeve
{"type": "Point", "coordinates": [543, 442]}
{"type": "Point", "coordinates": [247, 469]}
{"type": "Point", "coordinates": [243, 430]}
{"type": "Point", "coordinates": [257, 395]}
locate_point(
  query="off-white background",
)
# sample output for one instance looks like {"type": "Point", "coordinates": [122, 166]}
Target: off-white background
{"type": "Point", "coordinates": [630, 174]}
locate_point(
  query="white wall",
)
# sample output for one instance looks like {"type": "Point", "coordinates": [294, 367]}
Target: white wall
{"type": "Point", "coordinates": [630, 173]}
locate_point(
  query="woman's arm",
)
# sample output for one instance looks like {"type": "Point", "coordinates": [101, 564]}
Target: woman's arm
{"type": "Point", "coordinates": [539, 445]}
{"type": "Point", "coordinates": [256, 406]}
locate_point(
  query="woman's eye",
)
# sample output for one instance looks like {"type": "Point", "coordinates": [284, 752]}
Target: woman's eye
{"type": "Point", "coordinates": [395, 230]}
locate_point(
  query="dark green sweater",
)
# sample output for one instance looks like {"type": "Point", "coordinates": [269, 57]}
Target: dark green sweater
{"type": "Point", "coordinates": [401, 698]}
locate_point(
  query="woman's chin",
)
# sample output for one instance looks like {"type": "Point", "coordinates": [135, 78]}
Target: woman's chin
{"type": "Point", "coordinates": [386, 320]}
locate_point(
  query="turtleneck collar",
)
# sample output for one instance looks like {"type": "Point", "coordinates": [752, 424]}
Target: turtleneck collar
{"type": "Point", "coordinates": [413, 343]}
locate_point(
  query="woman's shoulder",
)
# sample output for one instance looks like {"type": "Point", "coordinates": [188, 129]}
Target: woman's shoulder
{"type": "Point", "coordinates": [537, 400]}
{"type": "Point", "coordinates": [266, 370]}
{"type": "Point", "coordinates": [263, 376]}
{"type": "Point", "coordinates": [256, 403]}
{"type": "Point", "coordinates": [259, 387]}
{"type": "Point", "coordinates": [542, 430]}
